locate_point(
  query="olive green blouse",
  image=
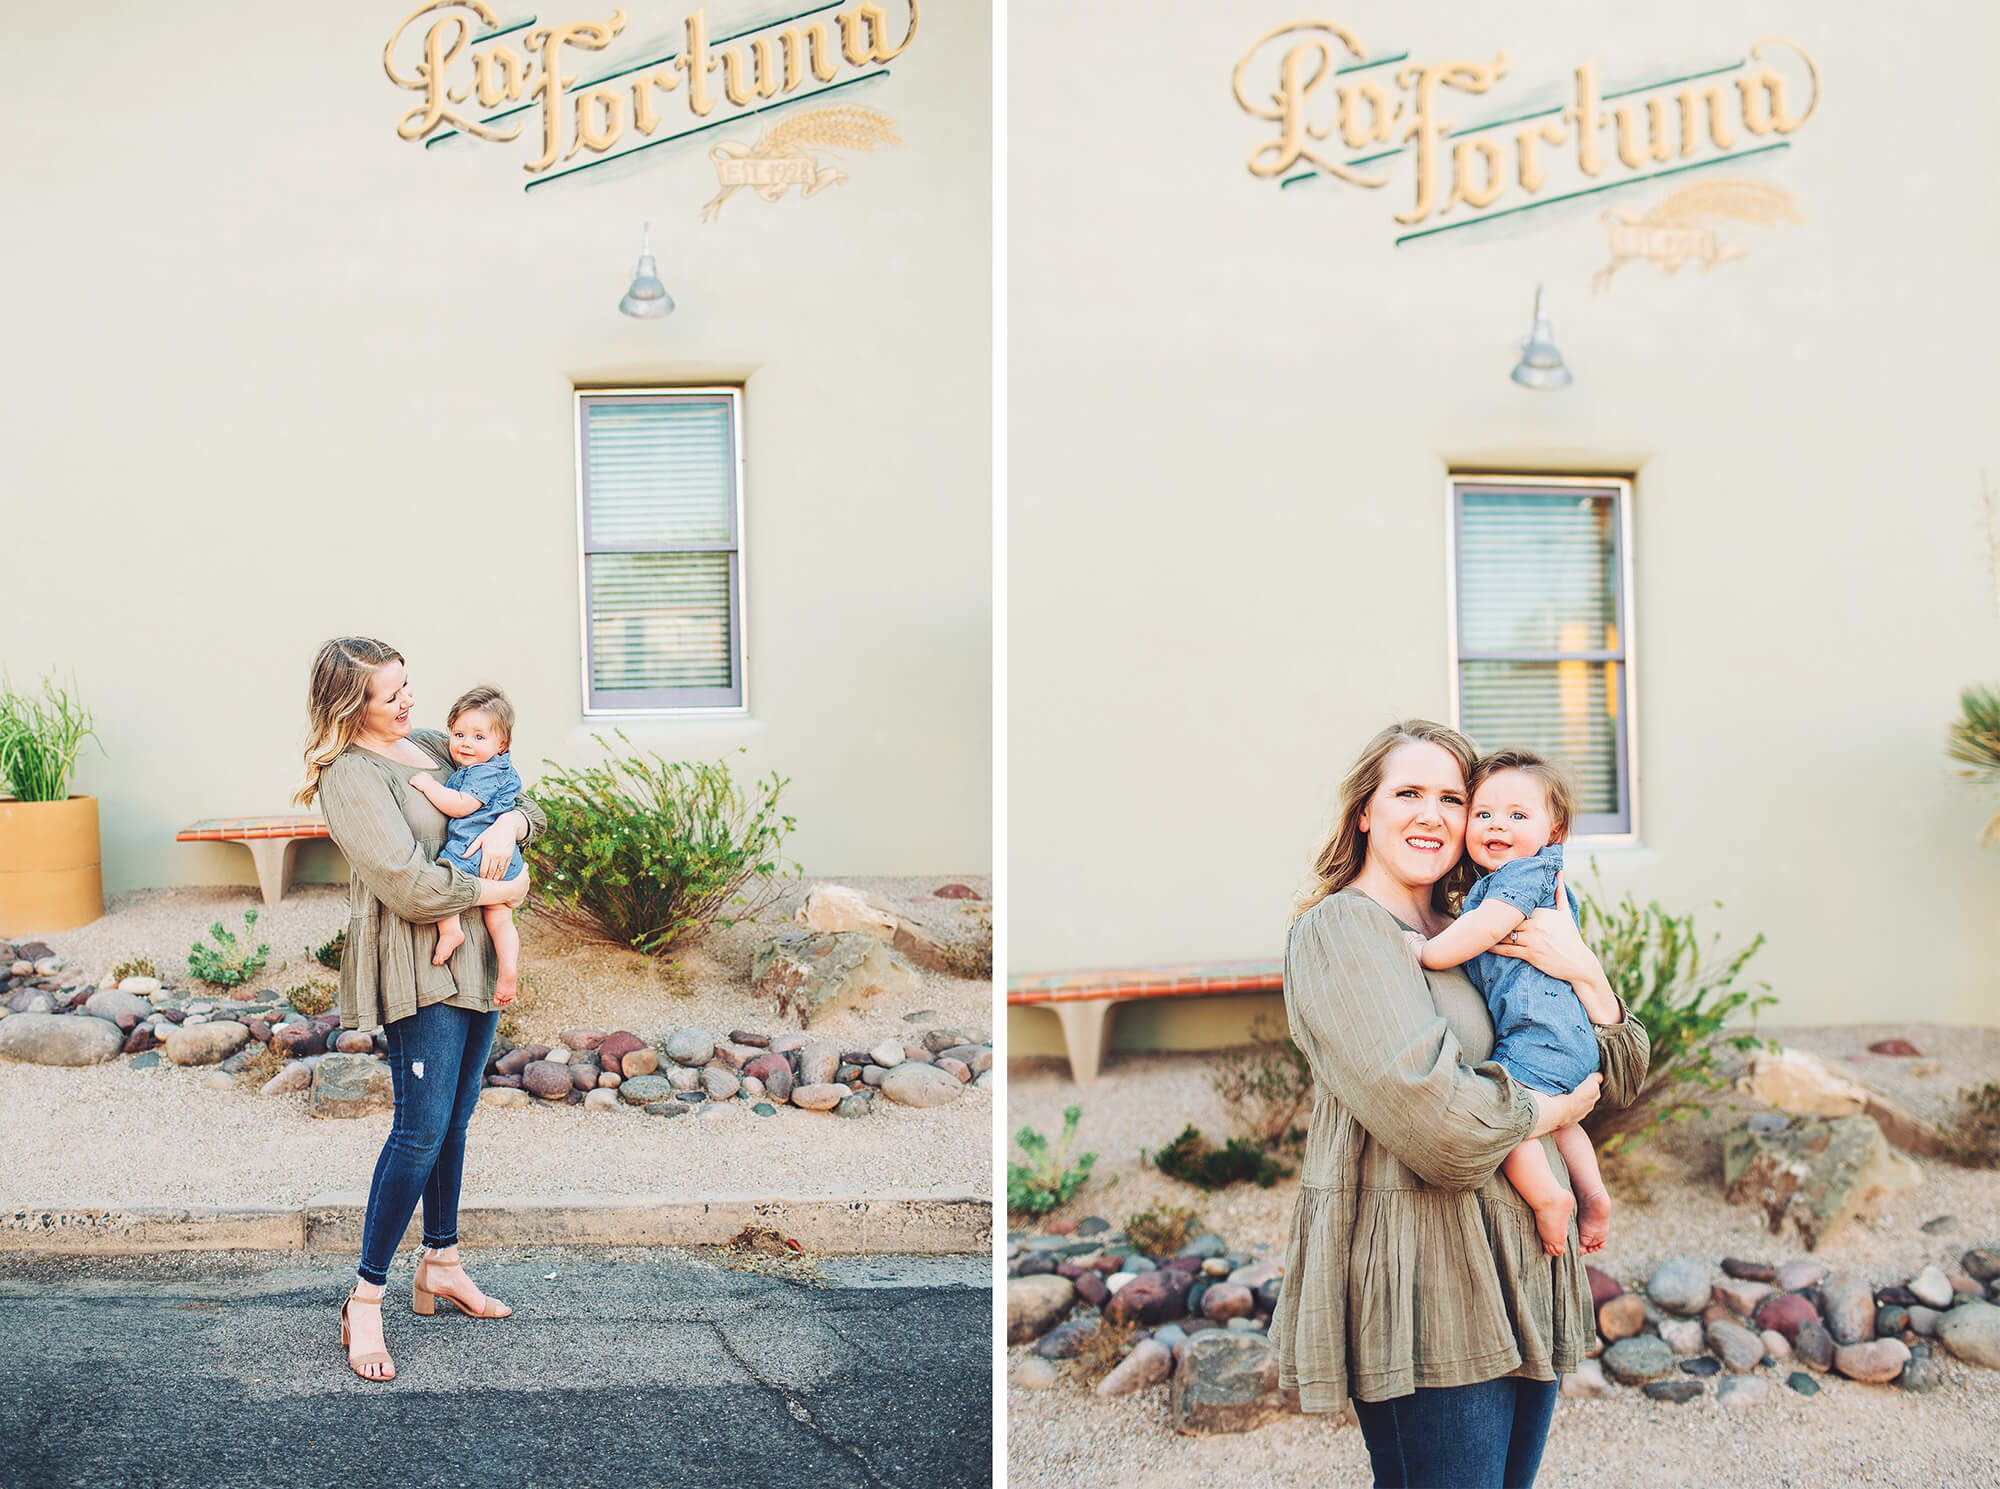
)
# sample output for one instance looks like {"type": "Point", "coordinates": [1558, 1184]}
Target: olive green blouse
{"type": "Point", "coordinates": [1412, 1262]}
{"type": "Point", "coordinates": [398, 890]}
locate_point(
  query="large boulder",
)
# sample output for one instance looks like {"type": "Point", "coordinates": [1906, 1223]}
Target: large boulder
{"type": "Point", "coordinates": [811, 973]}
{"type": "Point", "coordinates": [59, 1039]}
{"type": "Point", "coordinates": [1815, 1173]}
{"type": "Point", "coordinates": [1036, 1304]}
{"type": "Point", "coordinates": [1804, 1085]}
{"type": "Point", "coordinates": [351, 1086]}
{"type": "Point", "coordinates": [1226, 1382]}
{"type": "Point", "coordinates": [205, 1044]}
{"type": "Point", "coordinates": [959, 940]}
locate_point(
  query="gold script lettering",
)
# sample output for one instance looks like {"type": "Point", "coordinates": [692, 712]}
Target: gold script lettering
{"type": "Point", "coordinates": [551, 85]}
{"type": "Point", "coordinates": [1426, 128]}
{"type": "Point", "coordinates": [444, 43]}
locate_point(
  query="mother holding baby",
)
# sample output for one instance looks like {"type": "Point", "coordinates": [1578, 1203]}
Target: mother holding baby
{"type": "Point", "coordinates": [1415, 1281]}
{"type": "Point", "coordinates": [371, 773]}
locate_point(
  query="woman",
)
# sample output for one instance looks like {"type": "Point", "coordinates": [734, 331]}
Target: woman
{"type": "Point", "coordinates": [438, 1020]}
{"type": "Point", "coordinates": [1415, 1282]}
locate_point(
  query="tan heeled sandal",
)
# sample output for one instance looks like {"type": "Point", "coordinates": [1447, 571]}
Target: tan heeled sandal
{"type": "Point", "coordinates": [373, 1357]}
{"type": "Point", "coordinates": [423, 1299]}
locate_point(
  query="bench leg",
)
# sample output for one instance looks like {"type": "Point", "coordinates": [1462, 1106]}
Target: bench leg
{"type": "Point", "coordinates": [273, 857]}
{"type": "Point", "coordinates": [1084, 1021]}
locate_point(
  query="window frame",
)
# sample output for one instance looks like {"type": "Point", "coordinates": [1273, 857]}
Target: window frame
{"type": "Point", "coordinates": [739, 704]}
{"type": "Point", "coordinates": [1619, 488]}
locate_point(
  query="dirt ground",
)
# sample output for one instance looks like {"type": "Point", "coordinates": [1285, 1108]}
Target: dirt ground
{"type": "Point", "coordinates": [111, 1133]}
{"type": "Point", "coordinates": [1669, 1202]}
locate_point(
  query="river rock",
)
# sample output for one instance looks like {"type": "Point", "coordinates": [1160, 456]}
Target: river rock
{"type": "Point", "coordinates": [205, 1044]}
{"type": "Point", "coordinates": [1149, 1363]}
{"type": "Point", "coordinates": [351, 1086]}
{"type": "Point", "coordinates": [856, 1104]}
{"type": "Point", "coordinates": [912, 1084]}
{"type": "Point", "coordinates": [888, 1054]}
{"type": "Point", "coordinates": [809, 974]}
{"type": "Point", "coordinates": [1847, 1307]}
{"type": "Point", "coordinates": [776, 1074]}
{"type": "Point", "coordinates": [1776, 1345]}
{"type": "Point", "coordinates": [1922, 1375]}
{"type": "Point", "coordinates": [1742, 1390]}
{"type": "Point", "coordinates": [1148, 1298]}
{"type": "Point", "coordinates": [615, 1046]}
{"type": "Point", "coordinates": [505, 1096]}
{"type": "Point", "coordinates": [1680, 1390]}
{"type": "Point", "coordinates": [1680, 1285]}
{"type": "Point", "coordinates": [548, 1079]}
{"type": "Point", "coordinates": [600, 1101]}
{"type": "Point", "coordinates": [1816, 1175]}
{"type": "Point", "coordinates": [1786, 1312]}
{"type": "Point", "coordinates": [117, 1006]}
{"type": "Point", "coordinates": [1034, 1374]}
{"type": "Point", "coordinates": [60, 1039]}
{"type": "Point", "coordinates": [719, 1083]}
{"type": "Point", "coordinates": [1972, 1332]}
{"type": "Point", "coordinates": [1932, 1288]}
{"type": "Point", "coordinates": [1877, 1362]}
{"type": "Point", "coordinates": [822, 1096]}
{"type": "Point", "coordinates": [691, 1046]}
{"type": "Point", "coordinates": [1739, 1350]}
{"type": "Point", "coordinates": [1684, 1336]}
{"type": "Point", "coordinates": [293, 1075]}
{"type": "Point", "coordinates": [1748, 1271]}
{"type": "Point", "coordinates": [641, 1090]}
{"type": "Point", "coordinates": [1982, 1263]}
{"type": "Point", "coordinates": [1742, 1297]}
{"type": "Point", "coordinates": [1813, 1345]}
{"type": "Point", "coordinates": [1622, 1317]}
{"type": "Point", "coordinates": [1586, 1381]}
{"type": "Point", "coordinates": [1035, 1305]}
{"type": "Point", "coordinates": [1637, 1360]}
{"type": "Point", "coordinates": [1806, 1272]}
{"type": "Point", "coordinates": [1226, 1300]}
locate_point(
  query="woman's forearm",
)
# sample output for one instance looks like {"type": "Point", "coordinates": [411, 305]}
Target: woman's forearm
{"type": "Point", "coordinates": [1593, 990]}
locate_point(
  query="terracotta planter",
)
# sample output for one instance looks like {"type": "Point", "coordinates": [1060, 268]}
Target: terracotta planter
{"type": "Point", "coordinates": [50, 875]}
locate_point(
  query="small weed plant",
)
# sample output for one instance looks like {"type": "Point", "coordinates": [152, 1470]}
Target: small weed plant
{"type": "Point", "coordinates": [1687, 1001]}
{"type": "Point", "coordinates": [649, 853]}
{"type": "Point", "coordinates": [312, 998]}
{"type": "Point", "coordinates": [1193, 1159]}
{"type": "Point", "coordinates": [228, 962]}
{"type": "Point", "coordinates": [1972, 1135]}
{"type": "Point", "coordinates": [1099, 1352]}
{"type": "Point", "coordinates": [256, 1071]}
{"type": "Point", "coordinates": [134, 966]}
{"type": "Point", "coordinates": [1975, 745]}
{"type": "Point", "coordinates": [1266, 1085]}
{"type": "Point", "coordinates": [1161, 1230]}
{"type": "Point", "coordinates": [1048, 1180]}
{"type": "Point", "coordinates": [327, 953]}
{"type": "Point", "coordinates": [40, 738]}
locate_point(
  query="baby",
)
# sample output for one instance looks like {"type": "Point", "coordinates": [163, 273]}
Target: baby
{"type": "Point", "coordinates": [473, 796]}
{"type": "Point", "coordinates": [1541, 1036]}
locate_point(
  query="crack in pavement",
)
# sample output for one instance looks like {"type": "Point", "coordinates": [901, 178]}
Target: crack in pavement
{"type": "Point", "coordinates": [798, 1410]}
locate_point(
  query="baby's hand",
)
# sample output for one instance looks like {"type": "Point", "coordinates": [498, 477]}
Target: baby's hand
{"type": "Point", "coordinates": [1416, 944]}
{"type": "Point", "coordinates": [423, 780]}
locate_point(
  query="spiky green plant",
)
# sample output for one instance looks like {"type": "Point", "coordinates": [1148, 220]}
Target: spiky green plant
{"type": "Point", "coordinates": [40, 739]}
{"type": "Point", "coordinates": [1047, 1181]}
{"type": "Point", "coordinates": [1975, 744]}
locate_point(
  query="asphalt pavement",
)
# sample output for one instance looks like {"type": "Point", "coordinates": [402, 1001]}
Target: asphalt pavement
{"type": "Point", "coordinates": [639, 1368]}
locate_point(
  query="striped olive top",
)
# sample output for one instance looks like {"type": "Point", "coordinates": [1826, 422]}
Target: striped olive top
{"type": "Point", "coordinates": [398, 891]}
{"type": "Point", "coordinates": [1412, 1262]}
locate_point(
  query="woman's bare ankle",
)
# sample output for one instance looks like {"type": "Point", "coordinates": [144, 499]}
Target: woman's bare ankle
{"type": "Point", "coordinates": [366, 1291]}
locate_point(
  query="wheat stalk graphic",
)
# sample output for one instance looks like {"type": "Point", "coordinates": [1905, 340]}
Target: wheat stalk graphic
{"type": "Point", "coordinates": [796, 136]}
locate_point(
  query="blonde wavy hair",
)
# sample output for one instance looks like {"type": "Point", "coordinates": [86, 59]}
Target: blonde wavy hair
{"type": "Point", "coordinates": [1340, 857]}
{"type": "Point", "coordinates": [336, 700]}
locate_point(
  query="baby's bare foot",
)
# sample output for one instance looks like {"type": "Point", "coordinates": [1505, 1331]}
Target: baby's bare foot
{"type": "Point", "coordinates": [450, 938]}
{"type": "Point", "coordinates": [1593, 1220]}
{"type": "Point", "coordinates": [1552, 1223]}
{"type": "Point", "coordinates": [504, 984]}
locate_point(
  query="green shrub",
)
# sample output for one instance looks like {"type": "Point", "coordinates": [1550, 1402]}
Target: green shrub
{"type": "Point", "coordinates": [137, 966]}
{"type": "Point", "coordinates": [647, 852]}
{"type": "Point", "coordinates": [1654, 962]}
{"type": "Point", "coordinates": [310, 998]}
{"type": "Point", "coordinates": [228, 963]}
{"type": "Point", "coordinates": [1975, 744]}
{"type": "Point", "coordinates": [1265, 1085]}
{"type": "Point", "coordinates": [1046, 1181]}
{"type": "Point", "coordinates": [1972, 1135]}
{"type": "Point", "coordinates": [327, 953]}
{"type": "Point", "coordinates": [1161, 1230]}
{"type": "Point", "coordinates": [1193, 1159]}
{"type": "Point", "coordinates": [40, 739]}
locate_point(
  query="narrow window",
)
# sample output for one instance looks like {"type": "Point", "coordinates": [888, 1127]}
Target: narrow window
{"type": "Point", "coordinates": [1541, 579]}
{"type": "Point", "coordinates": [660, 497]}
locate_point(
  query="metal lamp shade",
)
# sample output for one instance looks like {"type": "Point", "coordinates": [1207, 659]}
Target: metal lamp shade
{"type": "Point", "coordinates": [1541, 365]}
{"type": "Point", "coordinates": [647, 299]}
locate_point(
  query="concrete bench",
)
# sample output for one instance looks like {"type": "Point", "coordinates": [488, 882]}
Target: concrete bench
{"type": "Point", "coordinates": [1082, 1001]}
{"type": "Point", "coordinates": [269, 840]}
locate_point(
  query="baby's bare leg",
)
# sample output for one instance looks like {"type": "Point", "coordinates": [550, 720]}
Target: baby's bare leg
{"type": "Point", "coordinates": [506, 951]}
{"type": "Point", "coordinates": [1593, 1221]}
{"type": "Point", "coordinates": [1528, 1169]}
{"type": "Point", "coordinates": [451, 936]}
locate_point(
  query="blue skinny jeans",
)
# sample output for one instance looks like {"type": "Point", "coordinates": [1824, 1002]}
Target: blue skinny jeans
{"type": "Point", "coordinates": [1483, 1436]}
{"type": "Point", "coordinates": [437, 1062]}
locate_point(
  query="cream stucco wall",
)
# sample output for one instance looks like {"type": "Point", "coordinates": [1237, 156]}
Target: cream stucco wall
{"type": "Point", "coordinates": [276, 375]}
{"type": "Point", "coordinates": [1234, 409]}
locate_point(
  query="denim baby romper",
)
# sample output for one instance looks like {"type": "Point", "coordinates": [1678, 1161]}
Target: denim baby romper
{"type": "Point", "coordinates": [1541, 1035]}
{"type": "Point", "coordinates": [496, 783]}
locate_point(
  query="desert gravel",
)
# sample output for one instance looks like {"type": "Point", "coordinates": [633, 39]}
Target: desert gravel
{"type": "Point", "coordinates": [1668, 1203]}
{"type": "Point", "coordinates": [114, 1134]}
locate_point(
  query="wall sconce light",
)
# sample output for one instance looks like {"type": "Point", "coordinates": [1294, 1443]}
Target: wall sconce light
{"type": "Point", "coordinates": [647, 299]}
{"type": "Point", "coordinates": [1541, 365]}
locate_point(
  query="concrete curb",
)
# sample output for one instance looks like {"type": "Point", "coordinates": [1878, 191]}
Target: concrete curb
{"type": "Point", "coordinates": [331, 1224]}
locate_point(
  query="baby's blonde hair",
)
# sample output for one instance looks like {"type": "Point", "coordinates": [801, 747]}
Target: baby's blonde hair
{"type": "Point", "coordinates": [1554, 782]}
{"type": "Point", "coordinates": [489, 701]}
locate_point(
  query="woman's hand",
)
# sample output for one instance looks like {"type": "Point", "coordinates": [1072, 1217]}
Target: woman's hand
{"type": "Point", "coordinates": [1552, 1112]}
{"type": "Point", "coordinates": [512, 891]}
{"type": "Point", "coordinates": [495, 846]}
{"type": "Point", "coordinates": [1550, 942]}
